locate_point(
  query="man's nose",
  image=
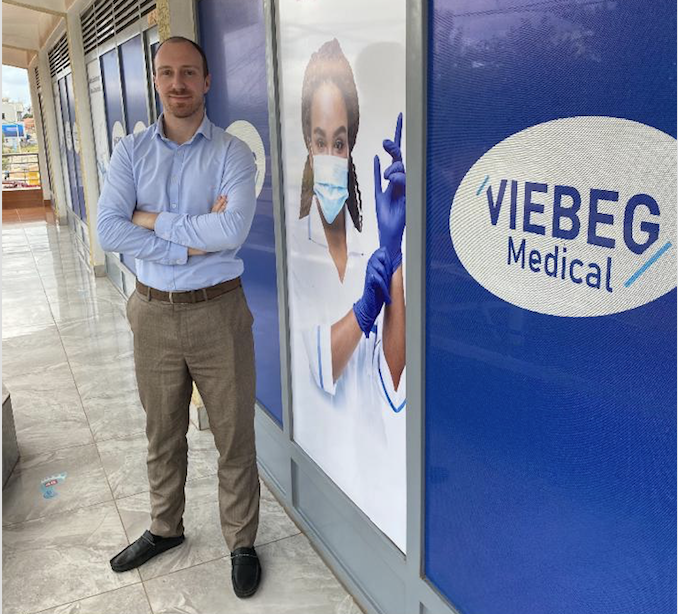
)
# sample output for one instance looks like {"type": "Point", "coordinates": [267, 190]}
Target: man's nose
{"type": "Point", "coordinates": [177, 82]}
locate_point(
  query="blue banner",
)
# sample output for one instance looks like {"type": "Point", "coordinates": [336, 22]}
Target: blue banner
{"type": "Point", "coordinates": [77, 170]}
{"type": "Point", "coordinates": [113, 97]}
{"type": "Point", "coordinates": [68, 137]}
{"type": "Point", "coordinates": [233, 36]}
{"type": "Point", "coordinates": [134, 84]}
{"type": "Point", "coordinates": [550, 464]}
{"type": "Point", "coordinates": [13, 130]}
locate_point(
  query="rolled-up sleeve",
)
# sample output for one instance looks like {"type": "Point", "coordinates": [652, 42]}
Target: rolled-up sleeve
{"type": "Point", "coordinates": [214, 232]}
{"type": "Point", "coordinates": [318, 344]}
{"type": "Point", "coordinates": [116, 206]}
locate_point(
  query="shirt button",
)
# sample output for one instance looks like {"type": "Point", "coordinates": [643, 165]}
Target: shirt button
{"type": "Point", "coordinates": [173, 205]}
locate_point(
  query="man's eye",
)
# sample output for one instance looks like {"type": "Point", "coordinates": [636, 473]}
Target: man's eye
{"type": "Point", "coordinates": [339, 145]}
{"type": "Point", "coordinates": [320, 144]}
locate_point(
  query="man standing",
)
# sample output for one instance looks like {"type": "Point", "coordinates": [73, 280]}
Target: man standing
{"type": "Point", "coordinates": [180, 198]}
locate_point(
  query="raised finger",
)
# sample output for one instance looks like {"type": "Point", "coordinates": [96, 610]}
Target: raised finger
{"type": "Point", "coordinates": [399, 130]}
{"type": "Point", "coordinates": [377, 175]}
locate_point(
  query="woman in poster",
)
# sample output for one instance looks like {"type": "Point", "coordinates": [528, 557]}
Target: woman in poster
{"type": "Point", "coordinates": [349, 305]}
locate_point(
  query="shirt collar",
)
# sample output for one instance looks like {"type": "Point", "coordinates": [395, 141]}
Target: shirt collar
{"type": "Point", "coordinates": [205, 128]}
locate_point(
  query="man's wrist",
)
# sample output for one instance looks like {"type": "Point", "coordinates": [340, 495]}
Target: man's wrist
{"type": "Point", "coordinates": [145, 219]}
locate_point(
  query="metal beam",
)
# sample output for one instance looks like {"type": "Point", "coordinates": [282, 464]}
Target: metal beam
{"type": "Point", "coordinates": [19, 48]}
{"type": "Point", "coordinates": [40, 8]}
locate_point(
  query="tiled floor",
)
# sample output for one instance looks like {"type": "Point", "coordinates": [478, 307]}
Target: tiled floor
{"type": "Point", "coordinates": [67, 362]}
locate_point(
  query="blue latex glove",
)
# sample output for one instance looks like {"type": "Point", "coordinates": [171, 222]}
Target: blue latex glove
{"type": "Point", "coordinates": [376, 292]}
{"type": "Point", "coordinates": [391, 202]}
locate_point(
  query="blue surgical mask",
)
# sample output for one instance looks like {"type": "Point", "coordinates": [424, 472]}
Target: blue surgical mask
{"type": "Point", "coordinates": [330, 184]}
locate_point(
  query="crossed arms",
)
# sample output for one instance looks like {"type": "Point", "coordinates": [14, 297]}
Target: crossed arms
{"type": "Point", "coordinates": [170, 238]}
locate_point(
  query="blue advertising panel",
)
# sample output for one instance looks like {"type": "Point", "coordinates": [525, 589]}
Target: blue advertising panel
{"type": "Point", "coordinates": [68, 137]}
{"type": "Point", "coordinates": [550, 413]}
{"type": "Point", "coordinates": [115, 119]}
{"type": "Point", "coordinates": [77, 168]}
{"type": "Point", "coordinates": [110, 77]}
{"type": "Point", "coordinates": [134, 85]}
{"type": "Point", "coordinates": [158, 104]}
{"type": "Point", "coordinates": [12, 130]}
{"type": "Point", "coordinates": [233, 36]}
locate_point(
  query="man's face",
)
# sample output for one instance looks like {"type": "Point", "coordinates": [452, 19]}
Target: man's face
{"type": "Point", "coordinates": [179, 79]}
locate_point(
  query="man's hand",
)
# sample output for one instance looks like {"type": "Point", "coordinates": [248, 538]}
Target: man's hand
{"type": "Point", "coordinates": [219, 206]}
{"type": "Point", "coordinates": [220, 203]}
{"type": "Point", "coordinates": [145, 219]}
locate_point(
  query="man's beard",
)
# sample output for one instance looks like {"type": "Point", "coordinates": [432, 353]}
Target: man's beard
{"type": "Point", "coordinates": [182, 110]}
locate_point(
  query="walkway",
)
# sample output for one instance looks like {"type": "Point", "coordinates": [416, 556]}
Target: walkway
{"type": "Point", "coordinates": [67, 362]}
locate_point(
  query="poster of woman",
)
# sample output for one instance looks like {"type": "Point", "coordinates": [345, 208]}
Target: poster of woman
{"type": "Point", "coordinates": [343, 97]}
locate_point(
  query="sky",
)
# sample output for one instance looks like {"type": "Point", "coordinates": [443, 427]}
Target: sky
{"type": "Point", "coordinates": [15, 84]}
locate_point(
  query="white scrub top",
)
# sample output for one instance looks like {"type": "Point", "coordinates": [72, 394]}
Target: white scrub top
{"type": "Point", "coordinates": [353, 429]}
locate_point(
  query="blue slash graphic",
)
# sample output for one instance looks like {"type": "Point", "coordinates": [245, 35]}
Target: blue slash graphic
{"type": "Point", "coordinates": [482, 185]}
{"type": "Point", "coordinates": [648, 264]}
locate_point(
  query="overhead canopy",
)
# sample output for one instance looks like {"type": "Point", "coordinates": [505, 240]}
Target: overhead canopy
{"type": "Point", "coordinates": [26, 25]}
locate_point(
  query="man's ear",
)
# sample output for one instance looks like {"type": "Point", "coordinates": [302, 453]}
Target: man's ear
{"type": "Point", "coordinates": [208, 82]}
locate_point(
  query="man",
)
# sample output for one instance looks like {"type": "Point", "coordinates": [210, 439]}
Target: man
{"type": "Point", "coordinates": [189, 315]}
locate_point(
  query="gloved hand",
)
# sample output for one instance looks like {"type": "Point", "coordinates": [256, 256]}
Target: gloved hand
{"type": "Point", "coordinates": [391, 202]}
{"type": "Point", "coordinates": [376, 292]}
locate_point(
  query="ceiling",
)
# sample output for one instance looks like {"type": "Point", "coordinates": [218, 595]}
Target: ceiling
{"type": "Point", "coordinates": [26, 25]}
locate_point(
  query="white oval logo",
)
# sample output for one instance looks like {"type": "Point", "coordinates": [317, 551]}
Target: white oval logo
{"type": "Point", "coordinates": [139, 127]}
{"type": "Point", "coordinates": [76, 138]}
{"type": "Point", "coordinates": [117, 133]}
{"type": "Point", "coordinates": [69, 137]}
{"type": "Point", "coordinates": [574, 217]}
{"type": "Point", "coordinates": [248, 133]}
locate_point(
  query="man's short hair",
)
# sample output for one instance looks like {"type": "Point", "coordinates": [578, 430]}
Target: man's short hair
{"type": "Point", "coordinates": [182, 39]}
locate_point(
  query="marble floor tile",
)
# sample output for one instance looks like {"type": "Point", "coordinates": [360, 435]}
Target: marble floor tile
{"type": "Point", "coordinates": [26, 313]}
{"type": "Point", "coordinates": [128, 600]}
{"type": "Point", "coordinates": [115, 412]}
{"type": "Point", "coordinates": [18, 289]}
{"type": "Point", "coordinates": [82, 482]}
{"type": "Point", "coordinates": [69, 309]}
{"type": "Point", "coordinates": [101, 331]}
{"type": "Point", "coordinates": [294, 581]}
{"type": "Point", "coordinates": [97, 380]}
{"type": "Point", "coordinates": [64, 556]}
{"type": "Point", "coordinates": [204, 540]}
{"type": "Point", "coordinates": [17, 329]}
{"type": "Point", "coordinates": [124, 461]}
{"type": "Point", "coordinates": [48, 415]}
{"type": "Point", "coordinates": [32, 352]}
{"type": "Point", "coordinates": [15, 267]}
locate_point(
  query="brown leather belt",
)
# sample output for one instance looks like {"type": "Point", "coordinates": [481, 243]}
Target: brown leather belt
{"type": "Point", "coordinates": [189, 296]}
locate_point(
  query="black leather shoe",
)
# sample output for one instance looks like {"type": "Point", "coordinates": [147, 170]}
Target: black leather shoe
{"type": "Point", "coordinates": [142, 550]}
{"type": "Point", "coordinates": [245, 572]}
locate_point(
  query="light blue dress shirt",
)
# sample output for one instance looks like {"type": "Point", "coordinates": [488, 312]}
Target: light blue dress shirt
{"type": "Point", "coordinates": [150, 172]}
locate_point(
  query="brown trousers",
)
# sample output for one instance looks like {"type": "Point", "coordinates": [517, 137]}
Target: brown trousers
{"type": "Point", "coordinates": [209, 343]}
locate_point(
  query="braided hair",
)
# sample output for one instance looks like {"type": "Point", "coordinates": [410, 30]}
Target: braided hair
{"type": "Point", "coordinates": [329, 65]}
